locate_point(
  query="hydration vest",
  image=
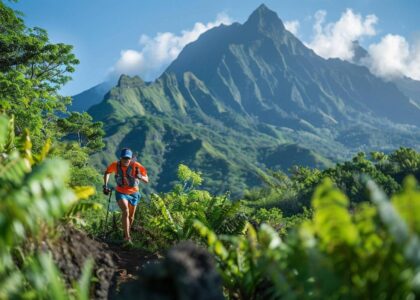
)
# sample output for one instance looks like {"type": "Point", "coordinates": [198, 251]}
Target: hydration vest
{"type": "Point", "coordinates": [127, 180]}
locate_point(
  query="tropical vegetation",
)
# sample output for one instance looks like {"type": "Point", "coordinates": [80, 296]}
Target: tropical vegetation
{"type": "Point", "coordinates": [340, 232]}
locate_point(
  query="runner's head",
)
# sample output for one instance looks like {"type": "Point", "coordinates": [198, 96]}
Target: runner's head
{"type": "Point", "coordinates": [125, 156]}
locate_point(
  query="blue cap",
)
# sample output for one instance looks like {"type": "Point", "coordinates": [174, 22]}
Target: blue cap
{"type": "Point", "coordinates": [126, 153]}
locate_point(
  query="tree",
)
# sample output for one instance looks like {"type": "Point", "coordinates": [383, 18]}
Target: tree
{"type": "Point", "coordinates": [407, 160]}
{"type": "Point", "coordinates": [32, 70]}
{"type": "Point", "coordinates": [79, 127]}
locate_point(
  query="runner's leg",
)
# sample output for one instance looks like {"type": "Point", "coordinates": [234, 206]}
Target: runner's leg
{"type": "Point", "coordinates": [131, 211]}
{"type": "Point", "coordinates": [123, 204]}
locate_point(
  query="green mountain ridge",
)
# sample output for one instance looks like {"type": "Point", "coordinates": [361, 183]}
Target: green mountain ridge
{"type": "Point", "coordinates": [86, 99]}
{"type": "Point", "coordinates": [244, 98]}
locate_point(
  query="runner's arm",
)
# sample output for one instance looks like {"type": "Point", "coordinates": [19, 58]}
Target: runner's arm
{"type": "Point", "coordinates": [106, 178]}
{"type": "Point", "coordinates": [144, 178]}
{"type": "Point", "coordinates": [143, 174]}
{"type": "Point", "coordinates": [111, 169]}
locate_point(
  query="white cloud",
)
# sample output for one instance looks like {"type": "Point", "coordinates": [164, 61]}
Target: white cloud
{"type": "Point", "coordinates": [394, 57]}
{"type": "Point", "coordinates": [130, 61]}
{"type": "Point", "coordinates": [292, 26]}
{"type": "Point", "coordinates": [336, 39]}
{"type": "Point", "coordinates": [158, 52]}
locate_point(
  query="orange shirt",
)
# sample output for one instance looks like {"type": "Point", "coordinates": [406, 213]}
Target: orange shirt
{"type": "Point", "coordinates": [112, 168]}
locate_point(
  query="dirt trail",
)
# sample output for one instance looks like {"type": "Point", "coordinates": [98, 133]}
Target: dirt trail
{"type": "Point", "coordinates": [186, 272]}
{"type": "Point", "coordinates": [129, 261]}
{"type": "Point", "coordinates": [114, 264]}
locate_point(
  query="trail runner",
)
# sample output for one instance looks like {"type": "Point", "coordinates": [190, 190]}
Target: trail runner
{"type": "Point", "coordinates": [128, 174]}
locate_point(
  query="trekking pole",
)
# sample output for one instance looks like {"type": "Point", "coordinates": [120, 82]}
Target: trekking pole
{"type": "Point", "coordinates": [107, 212]}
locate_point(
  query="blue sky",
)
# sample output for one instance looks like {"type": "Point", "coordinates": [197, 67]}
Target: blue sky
{"type": "Point", "coordinates": [111, 36]}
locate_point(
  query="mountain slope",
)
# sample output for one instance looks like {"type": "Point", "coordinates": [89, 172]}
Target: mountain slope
{"type": "Point", "coordinates": [164, 135]}
{"type": "Point", "coordinates": [233, 99]}
{"type": "Point", "coordinates": [83, 101]}
{"type": "Point", "coordinates": [261, 69]}
{"type": "Point", "coordinates": [410, 87]}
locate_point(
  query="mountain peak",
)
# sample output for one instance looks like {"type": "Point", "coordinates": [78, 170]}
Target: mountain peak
{"type": "Point", "coordinates": [263, 8]}
{"type": "Point", "coordinates": [265, 18]}
{"type": "Point", "coordinates": [360, 53]}
{"type": "Point", "coordinates": [126, 81]}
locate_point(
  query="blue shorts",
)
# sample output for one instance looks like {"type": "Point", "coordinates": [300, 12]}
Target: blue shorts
{"type": "Point", "coordinates": [133, 199]}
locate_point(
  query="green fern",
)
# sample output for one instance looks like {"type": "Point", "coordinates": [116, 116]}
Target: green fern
{"type": "Point", "coordinates": [33, 194]}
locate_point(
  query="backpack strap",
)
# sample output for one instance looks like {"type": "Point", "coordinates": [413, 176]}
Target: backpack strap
{"type": "Point", "coordinates": [119, 177]}
{"type": "Point", "coordinates": [126, 179]}
{"type": "Point", "coordinates": [122, 179]}
{"type": "Point", "coordinates": [129, 170]}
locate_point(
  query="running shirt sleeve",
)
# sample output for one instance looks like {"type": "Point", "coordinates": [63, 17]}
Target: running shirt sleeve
{"type": "Point", "coordinates": [112, 168]}
{"type": "Point", "coordinates": [142, 169]}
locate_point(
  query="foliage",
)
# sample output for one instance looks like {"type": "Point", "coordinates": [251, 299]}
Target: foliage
{"type": "Point", "coordinates": [81, 173]}
{"type": "Point", "coordinates": [405, 159]}
{"type": "Point", "coordinates": [31, 74]}
{"type": "Point", "coordinates": [32, 197]}
{"type": "Point", "coordinates": [241, 261]}
{"type": "Point", "coordinates": [36, 191]}
{"type": "Point", "coordinates": [32, 71]}
{"type": "Point", "coordinates": [268, 216]}
{"type": "Point", "coordinates": [407, 204]}
{"type": "Point", "coordinates": [79, 127]}
{"type": "Point", "coordinates": [274, 217]}
{"type": "Point", "coordinates": [371, 253]}
{"type": "Point", "coordinates": [169, 217]}
{"type": "Point", "coordinates": [292, 193]}
{"type": "Point", "coordinates": [189, 177]}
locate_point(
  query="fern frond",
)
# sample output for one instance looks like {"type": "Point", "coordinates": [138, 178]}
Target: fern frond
{"type": "Point", "coordinates": [234, 225]}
